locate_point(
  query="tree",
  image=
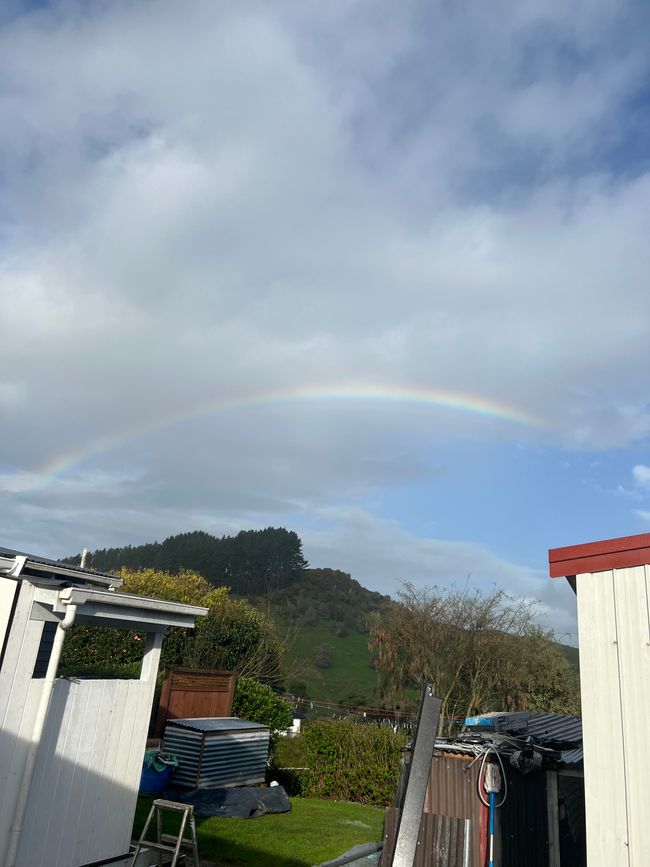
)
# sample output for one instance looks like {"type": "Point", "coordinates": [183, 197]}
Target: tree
{"type": "Point", "coordinates": [479, 651]}
{"type": "Point", "coordinates": [251, 563]}
{"type": "Point", "coordinates": [323, 656]}
{"type": "Point", "coordinates": [233, 635]}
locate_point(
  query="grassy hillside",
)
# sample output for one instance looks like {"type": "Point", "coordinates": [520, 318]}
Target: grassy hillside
{"type": "Point", "coordinates": [349, 672]}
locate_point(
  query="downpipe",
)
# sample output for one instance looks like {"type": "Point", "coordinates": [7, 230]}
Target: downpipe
{"type": "Point", "coordinates": [37, 732]}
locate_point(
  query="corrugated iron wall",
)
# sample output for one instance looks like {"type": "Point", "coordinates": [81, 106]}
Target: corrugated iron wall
{"type": "Point", "coordinates": [452, 797]}
{"type": "Point", "coordinates": [452, 792]}
{"type": "Point", "coordinates": [440, 841]}
{"type": "Point", "coordinates": [523, 821]}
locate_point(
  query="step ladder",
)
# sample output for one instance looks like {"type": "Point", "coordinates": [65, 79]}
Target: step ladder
{"type": "Point", "coordinates": [168, 843]}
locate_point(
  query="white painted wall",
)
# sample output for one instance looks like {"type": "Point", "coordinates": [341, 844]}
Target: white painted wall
{"type": "Point", "coordinates": [87, 774]}
{"type": "Point", "coordinates": [83, 792]}
{"type": "Point", "coordinates": [19, 697]}
{"type": "Point", "coordinates": [614, 631]}
{"type": "Point", "coordinates": [8, 589]}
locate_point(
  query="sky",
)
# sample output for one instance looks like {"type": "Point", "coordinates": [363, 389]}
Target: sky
{"type": "Point", "coordinates": [374, 272]}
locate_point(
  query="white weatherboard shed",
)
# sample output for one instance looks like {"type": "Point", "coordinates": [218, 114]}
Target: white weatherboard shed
{"type": "Point", "coordinates": [612, 583]}
{"type": "Point", "coordinates": [70, 749]}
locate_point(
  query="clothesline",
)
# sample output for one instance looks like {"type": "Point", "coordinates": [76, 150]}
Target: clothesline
{"type": "Point", "coordinates": [384, 713]}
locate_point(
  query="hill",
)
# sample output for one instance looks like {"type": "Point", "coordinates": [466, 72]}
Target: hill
{"type": "Point", "coordinates": [325, 612]}
{"type": "Point", "coordinates": [328, 614]}
{"type": "Point", "coordinates": [327, 596]}
{"type": "Point", "coordinates": [348, 673]}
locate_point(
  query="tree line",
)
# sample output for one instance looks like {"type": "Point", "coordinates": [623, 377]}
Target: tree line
{"type": "Point", "coordinates": [251, 563]}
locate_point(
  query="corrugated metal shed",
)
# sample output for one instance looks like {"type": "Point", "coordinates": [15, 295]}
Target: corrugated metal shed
{"type": "Point", "coordinates": [555, 726]}
{"type": "Point", "coordinates": [523, 821]}
{"type": "Point", "coordinates": [218, 752]}
{"type": "Point", "coordinates": [559, 735]}
{"type": "Point", "coordinates": [441, 840]}
{"type": "Point", "coordinates": [560, 731]}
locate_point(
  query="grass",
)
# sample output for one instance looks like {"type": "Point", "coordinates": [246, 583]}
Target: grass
{"type": "Point", "coordinates": [314, 831]}
{"type": "Point", "coordinates": [349, 672]}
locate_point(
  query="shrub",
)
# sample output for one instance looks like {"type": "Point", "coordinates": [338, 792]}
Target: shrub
{"type": "Point", "coordinates": [350, 762]}
{"type": "Point", "coordinates": [258, 703]}
{"type": "Point", "coordinates": [233, 636]}
{"type": "Point", "coordinates": [288, 766]}
{"type": "Point", "coordinates": [323, 656]}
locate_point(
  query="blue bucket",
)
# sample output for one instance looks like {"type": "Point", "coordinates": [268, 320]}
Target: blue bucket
{"type": "Point", "coordinates": [157, 769]}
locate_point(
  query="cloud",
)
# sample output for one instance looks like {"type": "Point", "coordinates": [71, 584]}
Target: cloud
{"type": "Point", "coordinates": [205, 202]}
{"type": "Point", "coordinates": [382, 553]}
{"type": "Point", "coordinates": [220, 221]}
{"type": "Point", "coordinates": [641, 475]}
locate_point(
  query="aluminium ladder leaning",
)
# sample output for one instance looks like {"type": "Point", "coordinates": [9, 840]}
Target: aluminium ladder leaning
{"type": "Point", "coordinates": [169, 843]}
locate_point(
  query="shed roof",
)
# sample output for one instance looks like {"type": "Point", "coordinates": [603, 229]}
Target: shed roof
{"type": "Point", "coordinates": [558, 735]}
{"type": "Point", "coordinates": [621, 553]}
{"type": "Point", "coordinates": [19, 564]}
{"type": "Point", "coordinates": [94, 595]}
{"type": "Point", "coordinates": [125, 610]}
{"type": "Point", "coordinates": [221, 725]}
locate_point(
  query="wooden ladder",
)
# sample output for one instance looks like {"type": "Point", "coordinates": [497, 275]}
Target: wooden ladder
{"type": "Point", "coordinates": [169, 843]}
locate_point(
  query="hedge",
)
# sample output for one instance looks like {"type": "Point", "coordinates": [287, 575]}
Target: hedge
{"type": "Point", "coordinates": [349, 762]}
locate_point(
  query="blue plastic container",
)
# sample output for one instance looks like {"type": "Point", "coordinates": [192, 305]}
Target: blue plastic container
{"type": "Point", "coordinates": [156, 772]}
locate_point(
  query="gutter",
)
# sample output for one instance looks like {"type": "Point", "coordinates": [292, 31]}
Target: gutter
{"type": "Point", "coordinates": [37, 732]}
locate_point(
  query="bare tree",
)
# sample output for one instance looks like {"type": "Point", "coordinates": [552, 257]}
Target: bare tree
{"type": "Point", "coordinates": [479, 651]}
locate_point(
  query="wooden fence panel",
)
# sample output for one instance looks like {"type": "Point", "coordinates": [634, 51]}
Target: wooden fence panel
{"type": "Point", "coordinates": [189, 694]}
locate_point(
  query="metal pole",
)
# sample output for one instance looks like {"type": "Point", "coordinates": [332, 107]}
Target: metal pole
{"type": "Point", "coordinates": [493, 797]}
{"type": "Point", "coordinates": [467, 843]}
{"type": "Point", "coordinates": [416, 786]}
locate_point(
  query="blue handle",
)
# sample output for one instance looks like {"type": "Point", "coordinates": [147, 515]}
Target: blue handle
{"type": "Point", "coordinates": [493, 798]}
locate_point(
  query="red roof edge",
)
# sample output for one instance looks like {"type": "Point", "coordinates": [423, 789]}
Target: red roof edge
{"type": "Point", "coordinates": [625, 552]}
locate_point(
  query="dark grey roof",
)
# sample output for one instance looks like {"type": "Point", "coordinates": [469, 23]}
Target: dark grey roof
{"type": "Point", "coordinates": [558, 735]}
{"type": "Point", "coordinates": [555, 726]}
{"type": "Point", "coordinates": [560, 732]}
{"type": "Point", "coordinates": [36, 566]}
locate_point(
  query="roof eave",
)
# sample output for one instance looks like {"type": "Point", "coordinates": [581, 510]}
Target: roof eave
{"type": "Point", "coordinates": [128, 611]}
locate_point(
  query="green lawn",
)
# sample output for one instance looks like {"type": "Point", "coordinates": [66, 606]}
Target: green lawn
{"type": "Point", "coordinates": [314, 831]}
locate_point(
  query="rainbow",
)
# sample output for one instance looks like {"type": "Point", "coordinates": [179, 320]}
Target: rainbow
{"type": "Point", "coordinates": [456, 401]}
